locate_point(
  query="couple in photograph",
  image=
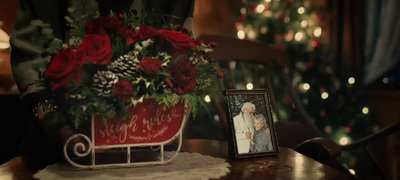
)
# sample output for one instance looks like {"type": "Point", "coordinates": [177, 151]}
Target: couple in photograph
{"type": "Point", "coordinates": [252, 132]}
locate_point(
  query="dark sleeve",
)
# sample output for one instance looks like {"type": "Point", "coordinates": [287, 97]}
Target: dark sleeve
{"type": "Point", "coordinates": [24, 52]}
{"type": "Point", "coordinates": [176, 11]}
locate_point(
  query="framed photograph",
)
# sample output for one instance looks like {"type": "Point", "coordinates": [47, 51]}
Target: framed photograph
{"type": "Point", "coordinates": [252, 130]}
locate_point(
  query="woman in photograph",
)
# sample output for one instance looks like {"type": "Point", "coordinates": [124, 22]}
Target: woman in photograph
{"type": "Point", "coordinates": [261, 138]}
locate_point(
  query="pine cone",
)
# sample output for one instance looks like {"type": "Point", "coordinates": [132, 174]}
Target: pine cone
{"type": "Point", "coordinates": [125, 66]}
{"type": "Point", "coordinates": [103, 82]}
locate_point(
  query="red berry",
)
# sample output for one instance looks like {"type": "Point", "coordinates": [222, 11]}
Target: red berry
{"type": "Point", "coordinates": [213, 44]}
{"type": "Point", "coordinates": [212, 60]}
{"type": "Point", "coordinates": [129, 25]}
{"type": "Point", "coordinates": [23, 88]}
{"type": "Point", "coordinates": [120, 16]}
{"type": "Point", "coordinates": [220, 75]}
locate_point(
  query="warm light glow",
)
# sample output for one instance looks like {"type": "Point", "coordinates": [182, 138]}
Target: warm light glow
{"type": "Point", "coordinates": [241, 34]}
{"type": "Point", "coordinates": [324, 95]}
{"type": "Point", "coordinates": [317, 32]}
{"type": "Point", "coordinates": [301, 10]}
{"type": "Point", "coordinates": [249, 86]}
{"type": "Point", "coordinates": [306, 86]}
{"type": "Point", "coordinates": [365, 110]}
{"type": "Point", "coordinates": [352, 172]}
{"type": "Point", "coordinates": [286, 19]}
{"type": "Point", "coordinates": [239, 26]}
{"type": "Point", "coordinates": [304, 23]}
{"type": "Point", "coordinates": [311, 22]}
{"type": "Point", "coordinates": [260, 8]}
{"type": "Point", "coordinates": [328, 129]}
{"type": "Point", "coordinates": [207, 98]}
{"type": "Point", "coordinates": [252, 34]}
{"type": "Point", "coordinates": [267, 1]}
{"type": "Point", "coordinates": [243, 10]}
{"type": "Point", "coordinates": [344, 141]}
{"type": "Point", "coordinates": [264, 29]}
{"type": "Point", "coordinates": [298, 36]}
{"type": "Point", "coordinates": [268, 13]}
{"type": "Point", "coordinates": [289, 36]}
{"type": "Point", "coordinates": [351, 80]}
{"type": "Point", "coordinates": [306, 3]}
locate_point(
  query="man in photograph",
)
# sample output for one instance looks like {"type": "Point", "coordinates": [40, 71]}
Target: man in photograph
{"type": "Point", "coordinates": [244, 127]}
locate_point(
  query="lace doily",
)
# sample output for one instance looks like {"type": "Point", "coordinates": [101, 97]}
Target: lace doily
{"type": "Point", "coordinates": [192, 166]}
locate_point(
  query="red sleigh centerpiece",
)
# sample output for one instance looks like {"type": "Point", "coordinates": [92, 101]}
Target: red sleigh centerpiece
{"type": "Point", "coordinates": [130, 79]}
{"type": "Point", "coordinates": [148, 126]}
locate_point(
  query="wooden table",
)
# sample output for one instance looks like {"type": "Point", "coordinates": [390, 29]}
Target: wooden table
{"type": "Point", "coordinates": [288, 164]}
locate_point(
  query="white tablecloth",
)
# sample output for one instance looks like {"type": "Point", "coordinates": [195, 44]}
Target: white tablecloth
{"type": "Point", "coordinates": [191, 166]}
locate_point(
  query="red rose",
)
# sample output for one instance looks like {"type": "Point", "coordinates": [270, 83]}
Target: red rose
{"type": "Point", "coordinates": [128, 34]}
{"type": "Point", "coordinates": [150, 65]}
{"type": "Point", "coordinates": [123, 89]}
{"type": "Point", "coordinates": [184, 75]}
{"type": "Point", "coordinates": [180, 43]}
{"type": "Point", "coordinates": [101, 25]}
{"type": "Point", "coordinates": [96, 48]}
{"type": "Point", "coordinates": [146, 32]}
{"type": "Point", "coordinates": [66, 66]}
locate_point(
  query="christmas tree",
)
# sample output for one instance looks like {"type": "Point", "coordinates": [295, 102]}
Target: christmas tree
{"type": "Point", "coordinates": [335, 103]}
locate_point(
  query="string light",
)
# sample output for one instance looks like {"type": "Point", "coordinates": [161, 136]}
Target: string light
{"type": "Point", "coordinates": [241, 34]}
{"type": "Point", "coordinates": [306, 86]}
{"type": "Point", "coordinates": [239, 26]}
{"type": "Point", "coordinates": [243, 10]}
{"type": "Point", "coordinates": [352, 172]}
{"type": "Point", "coordinates": [289, 36]}
{"type": "Point", "coordinates": [298, 36]}
{"type": "Point", "coordinates": [260, 8]}
{"type": "Point", "coordinates": [249, 86]}
{"type": "Point", "coordinates": [286, 19]}
{"type": "Point", "coordinates": [216, 117]}
{"type": "Point", "coordinates": [267, 1]}
{"type": "Point", "coordinates": [344, 141]}
{"type": "Point", "coordinates": [268, 13]}
{"type": "Point", "coordinates": [207, 98]}
{"type": "Point", "coordinates": [301, 10]}
{"type": "Point", "coordinates": [351, 80]}
{"type": "Point", "coordinates": [317, 32]}
{"type": "Point", "coordinates": [385, 80]}
{"type": "Point", "coordinates": [252, 34]}
{"type": "Point", "coordinates": [328, 129]}
{"type": "Point", "coordinates": [365, 110]}
{"type": "Point", "coordinates": [264, 29]}
{"type": "Point", "coordinates": [303, 23]}
{"type": "Point", "coordinates": [324, 95]}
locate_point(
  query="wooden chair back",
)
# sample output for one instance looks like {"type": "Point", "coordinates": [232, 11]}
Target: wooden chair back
{"type": "Point", "coordinates": [244, 62]}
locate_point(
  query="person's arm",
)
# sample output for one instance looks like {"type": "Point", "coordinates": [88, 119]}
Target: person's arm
{"type": "Point", "coordinates": [25, 53]}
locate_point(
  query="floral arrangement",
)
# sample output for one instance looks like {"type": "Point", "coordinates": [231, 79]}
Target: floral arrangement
{"type": "Point", "coordinates": [113, 62]}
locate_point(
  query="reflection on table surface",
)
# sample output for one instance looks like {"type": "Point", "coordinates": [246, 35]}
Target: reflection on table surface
{"type": "Point", "coordinates": [288, 164]}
